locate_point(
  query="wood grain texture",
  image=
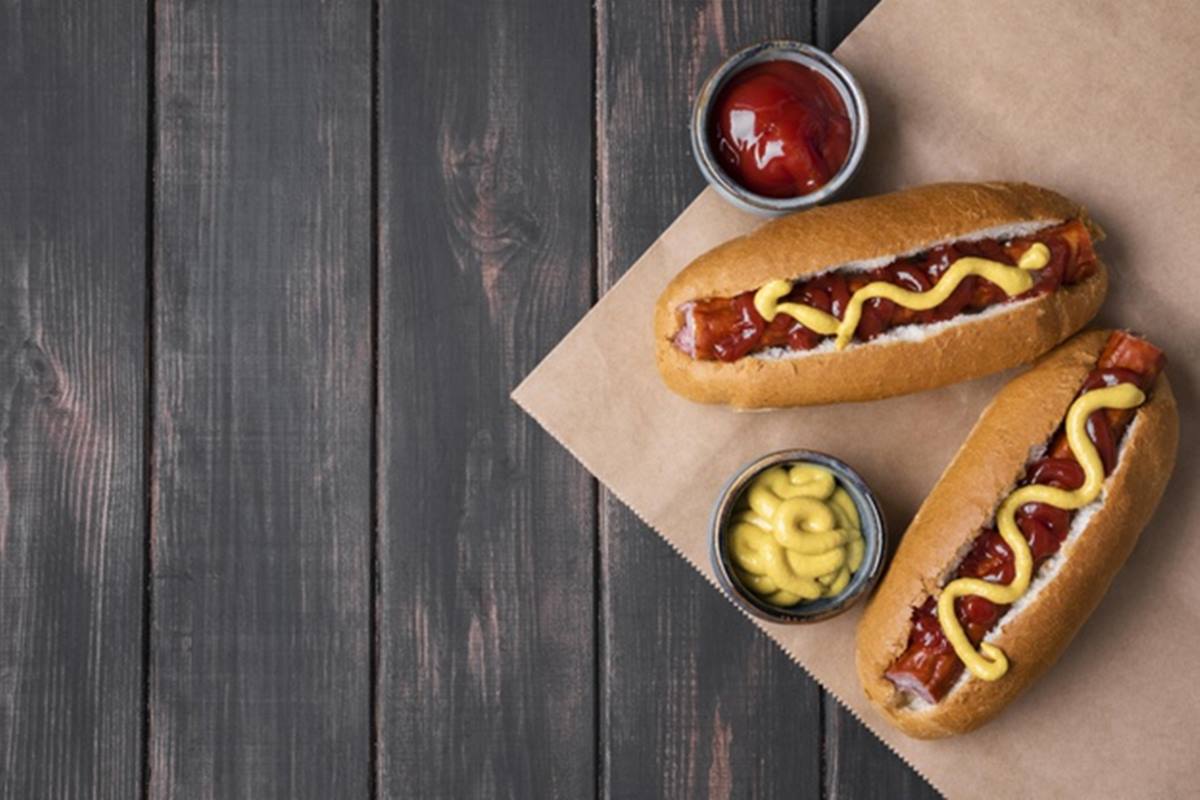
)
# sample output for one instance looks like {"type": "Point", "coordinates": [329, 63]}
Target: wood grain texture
{"type": "Point", "coordinates": [260, 653]}
{"type": "Point", "coordinates": [860, 767]}
{"type": "Point", "coordinates": [72, 391]}
{"type": "Point", "coordinates": [487, 526]}
{"type": "Point", "coordinates": [696, 702]}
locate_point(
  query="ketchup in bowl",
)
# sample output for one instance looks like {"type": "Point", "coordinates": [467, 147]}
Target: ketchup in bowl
{"type": "Point", "coordinates": [780, 129]}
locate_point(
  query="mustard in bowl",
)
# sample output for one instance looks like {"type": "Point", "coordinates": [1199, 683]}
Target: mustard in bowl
{"type": "Point", "coordinates": [797, 536]}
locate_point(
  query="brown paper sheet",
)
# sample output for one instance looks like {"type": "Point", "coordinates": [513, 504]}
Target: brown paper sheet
{"type": "Point", "coordinates": [1098, 99]}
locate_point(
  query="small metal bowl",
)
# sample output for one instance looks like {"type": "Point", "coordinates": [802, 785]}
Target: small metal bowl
{"type": "Point", "coordinates": [819, 61]}
{"type": "Point", "coordinates": [873, 529]}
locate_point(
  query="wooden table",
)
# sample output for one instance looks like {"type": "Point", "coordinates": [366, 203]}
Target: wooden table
{"type": "Point", "coordinates": [269, 524]}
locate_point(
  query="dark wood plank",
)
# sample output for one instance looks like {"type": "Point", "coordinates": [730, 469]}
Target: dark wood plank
{"type": "Point", "coordinates": [696, 702]}
{"type": "Point", "coordinates": [72, 397]}
{"type": "Point", "coordinates": [260, 670]}
{"type": "Point", "coordinates": [859, 765]}
{"type": "Point", "coordinates": [487, 538]}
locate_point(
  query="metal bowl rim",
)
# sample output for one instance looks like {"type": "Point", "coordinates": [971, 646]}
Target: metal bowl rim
{"type": "Point", "coordinates": [830, 68]}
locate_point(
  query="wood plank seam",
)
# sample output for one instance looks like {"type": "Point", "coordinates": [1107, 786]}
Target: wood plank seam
{"type": "Point", "coordinates": [374, 456]}
{"type": "Point", "coordinates": [148, 422]}
{"type": "Point", "coordinates": [599, 586]}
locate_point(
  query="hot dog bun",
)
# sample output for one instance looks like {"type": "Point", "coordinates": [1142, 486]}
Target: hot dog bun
{"type": "Point", "coordinates": [1022, 417]}
{"type": "Point", "coordinates": [884, 227]}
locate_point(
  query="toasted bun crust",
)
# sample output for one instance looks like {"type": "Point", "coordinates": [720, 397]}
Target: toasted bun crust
{"type": "Point", "coordinates": [860, 230]}
{"type": "Point", "coordinates": [1022, 417]}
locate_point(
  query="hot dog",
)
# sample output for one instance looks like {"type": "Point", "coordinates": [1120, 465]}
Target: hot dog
{"type": "Point", "coordinates": [881, 296]}
{"type": "Point", "coordinates": [1039, 508]}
